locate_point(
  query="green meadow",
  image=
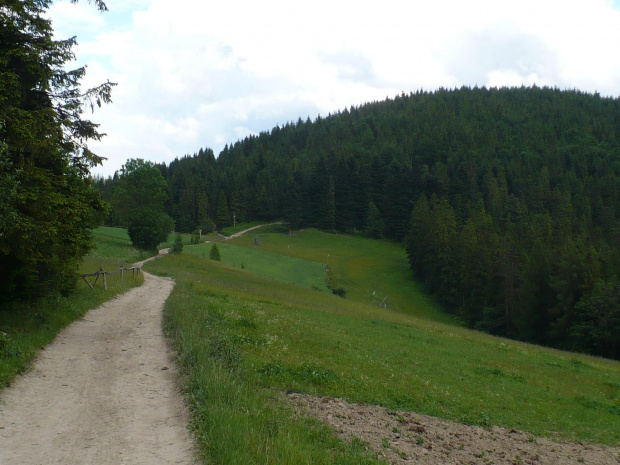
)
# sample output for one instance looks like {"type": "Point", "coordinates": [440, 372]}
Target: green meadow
{"type": "Point", "coordinates": [270, 265]}
{"type": "Point", "coordinates": [272, 324]}
{"type": "Point", "coordinates": [113, 245]}
{"type": "Point", "coordinates": [27, 327]}
{"type": "Point", "coordinates": [369, 270]}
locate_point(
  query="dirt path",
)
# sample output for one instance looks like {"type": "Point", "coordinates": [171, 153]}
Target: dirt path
{"type": "Point", "coordinates": [405, 438]}
{"type": "Point", "coordinates": [105, 392]}
{"type": "Point", "coordinates": [241, 233]}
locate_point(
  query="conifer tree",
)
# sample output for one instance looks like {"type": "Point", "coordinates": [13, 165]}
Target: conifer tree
{"type": "Point", "coordinates": [215, 253]}
{"type": "Point", "coordinates": [48, 205]}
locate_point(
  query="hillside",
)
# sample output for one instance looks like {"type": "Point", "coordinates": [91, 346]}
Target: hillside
{"type": "Point", "coordinates": [515, 197]}
{"type": "Point", "coordinates": [246, 335]}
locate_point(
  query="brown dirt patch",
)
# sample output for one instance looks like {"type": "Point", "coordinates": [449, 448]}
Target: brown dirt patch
{"type": "Point", "coordinates": [409, 438]}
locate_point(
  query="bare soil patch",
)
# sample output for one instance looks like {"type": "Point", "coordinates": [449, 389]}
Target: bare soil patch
{"type": "Point", "coordinates": [409, 438]}
{"type": "Point", "coordinates": [105, 392]}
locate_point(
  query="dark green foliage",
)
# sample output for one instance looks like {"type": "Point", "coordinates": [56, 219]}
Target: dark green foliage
{"type": "Point", "coordinates": [375, 226]}
{"type": "Point", "coordinates": [195, 237]}
{"type": "Point", "coordinates": [214, 254]}
{"type": "Point", "coordinates": [178, 244]}
{"type": "Point", "coordinates": [147, 231]}
{"type": "Point", "coordinates": [192, 188]}
{"type": "Point", "coordinates": [208, 226]}
{"type": "Point", "coordinates": [339, 291]}
{"type": "Point", "coordinates": [223, 215]}
{"type": "Point", "coordinates": [47, 206]}
{"type": "Point", "coordinates": [597, 320]}
{"type": "Point", "coordinates": [139, 199]}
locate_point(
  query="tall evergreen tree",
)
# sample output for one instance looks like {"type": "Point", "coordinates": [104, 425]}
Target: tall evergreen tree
{"type": "Point", "coordinates": [48, 205]}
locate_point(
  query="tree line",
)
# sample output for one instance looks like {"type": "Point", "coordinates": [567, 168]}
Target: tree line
{"type": "Point", "coordinates": [507, 200]}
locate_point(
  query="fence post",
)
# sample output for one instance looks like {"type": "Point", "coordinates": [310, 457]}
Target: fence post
{"type": "Point", "coordinates": [122, 269]}
{"type": "Point", "coordinates": [105, 281]}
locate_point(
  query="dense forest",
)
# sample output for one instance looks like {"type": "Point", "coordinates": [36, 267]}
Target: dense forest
{"type": "Point", "coordinates": [507, 200]}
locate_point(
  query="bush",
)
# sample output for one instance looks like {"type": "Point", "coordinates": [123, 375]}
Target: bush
{"type": "Point", "coordinates": [147, 230]}
{"type": "Point", "coordinates": [207, 226]}
{"type": "Point", "coordinates": [195, 237]}
{"type": "Point", "coordinates": [339, 291]}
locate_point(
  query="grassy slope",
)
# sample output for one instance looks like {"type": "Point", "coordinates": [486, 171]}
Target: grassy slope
{"type": "Point", "coordinates": [286, 336]}
{"type": "Point", "coordinates": [31, 326]}
{"type": "Point", "coordinates": [270, 265]}
{"type": "Point", "coordinates": [369, 270]}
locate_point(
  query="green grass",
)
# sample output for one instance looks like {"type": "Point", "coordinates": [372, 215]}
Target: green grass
{"type": "Point", "coordinates": [233, 421]}
{"type": "Point", "coordinates": [27, 327]}
{"type": "Point", "coordinates": [229, 322]}
{"type": "Point", "coordinates": [369, 270]}
{"type": "Point", "coordinates": [114, 245]}
{"type": "Point", "coordinates": [273, 266]}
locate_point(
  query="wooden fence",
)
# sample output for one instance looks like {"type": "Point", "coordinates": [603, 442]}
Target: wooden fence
{"type": "Point", "coordinates": [134, 270]}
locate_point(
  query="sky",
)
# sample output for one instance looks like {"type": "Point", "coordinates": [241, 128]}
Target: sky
{"type": "Point", "coordinates": [195, 74]}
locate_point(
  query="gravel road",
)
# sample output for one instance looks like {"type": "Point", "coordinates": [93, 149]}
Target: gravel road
{"type": "Point", "coordinates": [105, 392]}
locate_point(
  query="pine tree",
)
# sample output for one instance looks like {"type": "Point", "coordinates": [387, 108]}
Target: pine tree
{"type": "Point", "coordinates": [215, 253]}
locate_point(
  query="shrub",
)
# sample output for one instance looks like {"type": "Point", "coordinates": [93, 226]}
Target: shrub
{"type": "Point", "coordinates": [195, 237]}
{"type": "Point", "coordinates": [207, 226]}
{"type": "Point", "coordinates": [339, 291]}
{"type": "Point", "coordinates": [178, 244]}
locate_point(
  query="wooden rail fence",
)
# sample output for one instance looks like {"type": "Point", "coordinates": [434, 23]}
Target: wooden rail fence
{"type": "Point", "coordinates": [134, 270]}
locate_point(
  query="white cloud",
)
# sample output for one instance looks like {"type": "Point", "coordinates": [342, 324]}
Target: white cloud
{"type": "Point", "coordinates": [202, 74]}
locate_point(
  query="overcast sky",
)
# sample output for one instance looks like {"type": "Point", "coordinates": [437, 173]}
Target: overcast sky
{"type": "Point", "coordinates": [194, 74]}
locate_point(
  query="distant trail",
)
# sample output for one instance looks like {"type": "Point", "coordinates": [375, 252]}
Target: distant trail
{"type": "Point", "coordinates": [240, 233]}
{"type": "Point", "coordinates": [104, 392]}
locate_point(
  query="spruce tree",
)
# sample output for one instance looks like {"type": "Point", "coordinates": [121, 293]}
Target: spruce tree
{"type": "Point", "coordinates": [215, 253]}
{"type": "Point", "coordinates": [48, 206]}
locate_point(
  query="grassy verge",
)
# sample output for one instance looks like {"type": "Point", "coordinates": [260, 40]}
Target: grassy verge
{"type": "Point", "coordinates": [238, 330]}
{"type": "Point", "coordinates": [27, 327]}
{"type": "Point", "coordinates": [234, 421]}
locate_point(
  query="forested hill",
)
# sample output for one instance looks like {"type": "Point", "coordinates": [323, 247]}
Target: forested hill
{"type": "Point", "coordinates": [508, 200]}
